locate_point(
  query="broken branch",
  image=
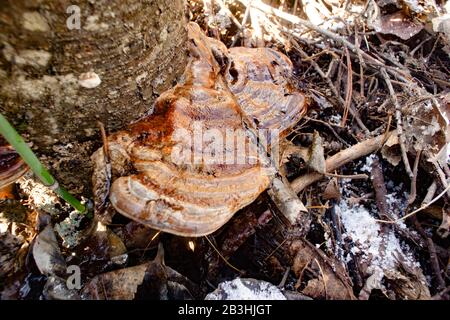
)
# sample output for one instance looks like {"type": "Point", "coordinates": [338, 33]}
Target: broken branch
{"type": "Point", "coordinates": [339, 159]}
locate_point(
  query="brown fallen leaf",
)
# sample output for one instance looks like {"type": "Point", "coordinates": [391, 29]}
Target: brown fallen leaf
{"type": "Point", "coordinates": [332, 281]}
{"type": "Point", "coordinates": [9, 249]}
{"type": "Point", "coordinates": [407, 283]}
{"type": "Point", "coordinates": [152, 280]}
{"type": "Point", "coordinates": [391, 150]}
{"type": "Point", "coordinates": [47, 254]}
{"type": "Point", "coordinates": [332, 190]}
{"type": "Point", "coordinates": [427, 128]}
{"type": "Point", "coordinates": [138, 236]}
{"type": "Point", "coordinates": [315, 289]}
{"type": "Point", "coordinates": [397, 24]}
{"type": "Point", "coordinates": [115, 285]}
{"type": "Point", "coordinates": [101, 250]}
{"type": "Point", "coordinates": [51, 263]}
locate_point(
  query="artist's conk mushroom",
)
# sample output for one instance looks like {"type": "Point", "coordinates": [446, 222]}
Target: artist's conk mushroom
{"type": "Point", "coordinates": [167, 170]}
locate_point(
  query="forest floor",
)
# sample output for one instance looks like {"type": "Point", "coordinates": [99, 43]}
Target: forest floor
{"type": "Point", "coordinates": [376, 77]}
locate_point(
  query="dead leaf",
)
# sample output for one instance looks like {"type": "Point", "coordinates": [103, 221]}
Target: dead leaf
{"type": "Point", "coordinates": [46, 253]}
{"type": "Point", "coordinates": [313, 156]}
{"type": "Point", "coordinates": [332, 190]}
{"type": "Point", "coordinates": [407, 283]}
{"type": "Point", "coordinates": [426, 128]}
{"type": "Point", "coordinates": [397, 24]}
{"type": "Point", "coordinates": [56, 289]}
{"type": "Point", "coordinates": [289, 149]}
{"type": "Point", "coordinates": [152, 280]}
{"type": "Point", "coordinates": [9, 249]}
{"type": "Point", "coordinates": [330, 272]}
{"type": "Point", "coordinates": [391, 150]}
{"type": "Point", "coordinates": [115, 285]}
{"type": "Point", "coordinates": [101, 250]}
{"type": "Point", "coordinates": [315, 288]}
{"type": "Point", "coordinates": [136, 235]}
{"type": "Point", "coordinates": [372, 282]}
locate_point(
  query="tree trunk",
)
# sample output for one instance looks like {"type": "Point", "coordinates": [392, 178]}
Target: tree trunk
{"type": "Point", "coordinates": [135, 47]}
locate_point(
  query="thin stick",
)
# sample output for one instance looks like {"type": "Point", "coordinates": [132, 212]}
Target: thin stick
{"type": "Point", "coordinates": [430, 193]}
{"type": "Point", "coordinates": [243, 23]}
{"type": "Point", "coordinates": [348, 92]}
{"type": "Point", "coordinates": [223, 258]}
{"type": "Point", "coordinates": [229, 13]}
{"type": "Point", "coordinates": [361, 65]}
{"type": "Point", "coordinates": [296, 20]}
{"type": "Point", "coordinates": [361, 176]}
{"type": "Point", "coordinates": [379, 188]}
{"type": "Point", "coordinates": [398, 117]}
{"type": "Point", "coordinates": [275, 250]}
{"type": "Point", "coordinates": [413, 191]}
{"type": "Point", "coordinates": [330, 83]}
{"type": "Point", "coordinates": [339, 159]}
{"type": "Point", "coordinates": [417, 210]}
{"type": "Point", "coordinates": [434, 261]}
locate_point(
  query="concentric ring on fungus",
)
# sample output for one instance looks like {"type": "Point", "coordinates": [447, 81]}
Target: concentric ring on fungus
{"type": "Point", "coordinates": [195, 199]}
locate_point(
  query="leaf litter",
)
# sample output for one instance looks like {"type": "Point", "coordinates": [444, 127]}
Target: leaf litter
{"type": "Point", "coordinates": [385, 64]}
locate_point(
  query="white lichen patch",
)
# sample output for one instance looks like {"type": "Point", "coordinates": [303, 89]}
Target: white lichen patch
{"type": "Point", "coordinates": [89, 80]}
{"type": "Point", "coordinates": [141, 77]}
{"type": "Point", "coordinates": [163, 35]}
{"type": "Point", "coordinates": [34, 21]}
{"type": "Point", "coordinates": [8, 52]}
{"type": "Point", "coordinates": [93, 24]}
{"type": "Point", "coordinates": [62, 88]}
{"type": "Point", "coordinates": [34, 58]}
{"type": "Point", "coordinates": [69, 231]}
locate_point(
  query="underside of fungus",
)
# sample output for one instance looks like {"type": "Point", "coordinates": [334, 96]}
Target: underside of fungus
{"type": "Point", "coordinates": [12, 167]}
{"type": "Point", "coordinates": [163, 177]}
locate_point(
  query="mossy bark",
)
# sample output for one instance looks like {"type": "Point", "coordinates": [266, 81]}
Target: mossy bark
{"type": "Point", "coordinates": [135, 47]}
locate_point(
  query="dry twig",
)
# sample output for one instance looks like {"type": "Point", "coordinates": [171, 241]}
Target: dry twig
{"type": "Point", "coordinates": [398, 117]}
{"type": "Point", "coordinates": [339, 159]}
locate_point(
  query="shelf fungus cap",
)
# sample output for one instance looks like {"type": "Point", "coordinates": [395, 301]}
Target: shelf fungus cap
{"type": "Point", "coordinates": [177, 170]}
{"type": "Point", "coordinates": [12, 167]}
{"type": "Point", "coordinates": [262, 81]}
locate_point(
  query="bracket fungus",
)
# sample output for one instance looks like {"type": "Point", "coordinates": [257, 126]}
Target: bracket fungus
{"type": "Point", "coordinates": [191, 164]}
{"type": "Point", "coordinates": [12, 167]}
{"type": "Point", "coordinates": [260, 80]}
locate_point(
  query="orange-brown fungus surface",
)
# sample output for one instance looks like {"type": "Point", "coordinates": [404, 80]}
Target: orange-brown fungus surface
{"type": "Point", "coordinates": [165, 178]}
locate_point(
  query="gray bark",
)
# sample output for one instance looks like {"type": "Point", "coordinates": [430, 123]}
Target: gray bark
{"type": "Point", "coordinates": [135, 47]}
